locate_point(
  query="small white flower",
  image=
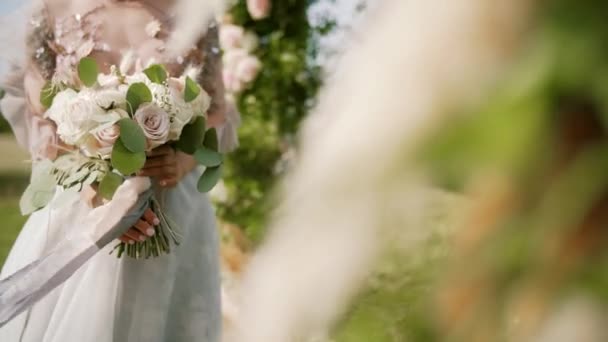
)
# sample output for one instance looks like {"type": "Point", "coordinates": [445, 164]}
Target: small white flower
{"type": "Point", "coordinates": [153, 28]}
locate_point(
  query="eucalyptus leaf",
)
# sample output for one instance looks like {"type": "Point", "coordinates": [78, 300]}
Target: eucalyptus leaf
{"type": "Point", "coordinates": [92, 178]}
{"type": "Point", "coordinates": [41, 190]}
{"type": "Point", "coordinates": [211, 141]}
{"type": "Point", "coordinates": [47, 94]}
{"type": "Point", "coordinates": [88, 71]}
{"type": "Point", "coordinates": [77, 176]}
{"type": "Point", "coordinates": [207, 157]}
{"type": "Point", "coordinates": [138, 94]}
{"type": "Point", "coordinates": [192, 90]}
{"type": "Point", "coordinates": [156, 73]}
{"type": "Point", "coordinates": [132, 136]}
{"type": "Point", "coordinates": [192, 136]}
{"type": "Point", "coordinates": [125, 161]}
{"type": "Point", "coordinates": [209, 179]}
{"type": "Point", "coordinates": [109, 184]}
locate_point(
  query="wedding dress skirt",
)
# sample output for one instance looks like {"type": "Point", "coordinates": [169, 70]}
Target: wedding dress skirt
{"type": "Point", "coordinates": [174, 297]}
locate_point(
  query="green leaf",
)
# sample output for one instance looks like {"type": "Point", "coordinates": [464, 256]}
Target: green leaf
{"type": "Point", "coordinates": [47, 94]}
{"type": "Point", "coordinates": [209, 179]}
{"type": "Point", "coordinates": [207, 157]}
{"type": "Point", "coordinates": [88, 71]}
{"type": "Point", "coordinates": [132, 136]}
{"type": "Point", "coordinates": [192, 136]}
{"type": "Point", "coordinates": [125, 161]}
{"type": "Point", "coordinates": [41, 190]}
{"type": "Point", "coordinates": [109, 184]}
{"type": "Point", "coordinates": [211, 141]}
{"type": "Point", "coordinates": [192, 90]}
{"type": "Point", "coordinates": [137, 94]}
{"type": "Point", "coordinates": [156, 73]}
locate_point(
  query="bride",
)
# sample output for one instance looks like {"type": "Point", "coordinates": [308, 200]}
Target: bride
{"type": "Point", "coordinates": [175, 297]}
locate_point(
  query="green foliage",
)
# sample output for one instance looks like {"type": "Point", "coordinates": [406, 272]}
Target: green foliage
{"type": "Point", "coordinates": [272, 109]}
{"type": "Point", "coordinates": [88, 71]}
{"type": "Point", "coordinates": [211, 141]}
{"type": "Point", "coordinates": [132, 136]}
{"type": "Point", "coordinates": [192, 90]}
{"type": "Point", "coordinates": [41, 189]}
{"type": "Point", "coordinates": [156, 73]}
{"type": "Point", "coordinates": [192, 136]}
{"type": "Point", "coordinates": [47, 94]}
{"type": "Point", "coordinates": [125, 161]}
{"type": "Point", "coordinates": [109, 184]}
{"type": "Point", "coordinates": [209, 179]}
{"type": "Point", "coordinates": [4, 126]}
{"type": "Point", "coordinates": [137, 95]}
{"type": "Point", "coordinates": [207, 157]}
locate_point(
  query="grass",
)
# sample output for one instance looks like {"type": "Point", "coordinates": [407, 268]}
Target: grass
{"type": "Point", "coordinates": [14, 177]}
{"type": "Point", "coordinates": [12, 221]}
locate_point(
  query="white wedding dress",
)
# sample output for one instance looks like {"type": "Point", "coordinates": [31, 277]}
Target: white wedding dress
{"type": "Point", "coordinates": [174, 297]}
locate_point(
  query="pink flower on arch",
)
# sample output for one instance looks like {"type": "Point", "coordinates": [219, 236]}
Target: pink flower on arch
{"type": "Point", "coordinates": [258, 9]}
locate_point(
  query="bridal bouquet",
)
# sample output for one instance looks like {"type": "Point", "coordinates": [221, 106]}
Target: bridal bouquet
{"type": "Point", "coordinates": [108, 122]}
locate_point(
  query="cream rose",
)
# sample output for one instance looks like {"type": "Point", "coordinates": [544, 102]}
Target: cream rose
{"type": "Point", "coordinates": [155, 123]}
{"type": "Point", "coordinates": [75, 115]}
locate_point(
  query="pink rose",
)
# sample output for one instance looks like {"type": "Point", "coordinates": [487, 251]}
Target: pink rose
{"type": "Point", "coordinates": [231, 36]}
{"type": "Point", "coordinates": [104, 140]}
{"type": "Point", "coordinates": [107, 136]}
{"type": "Point", "coordinates": [248, 68]}
{"type": "Point", "coordinates": [258, 9]}
{"type": "Point", "coordinates": [232, 82]}
{"type": "Point", "coordinates": [155, 123]}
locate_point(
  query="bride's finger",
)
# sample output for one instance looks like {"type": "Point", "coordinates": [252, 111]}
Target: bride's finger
{"type": "Point", "coordinates": [126, 239]}
{"type": "Point", "coordinates": [144, 228]}
{"type": "Point", "coordinates": [136, 235]}
{"type": "Point", "coordinates": [161, 151]}
{"type": "Point", "coordinates": [153, 162]}
{"type": "Point", "coordinates": [168, 182]}
{"type": "Point", "coordinates": [151, 217]}
{"type": "Point", "coordinates": [164, 171]}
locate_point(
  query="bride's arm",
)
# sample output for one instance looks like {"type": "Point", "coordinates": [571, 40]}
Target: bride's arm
{"type": "Point", "coordinates": [211, 77]}
{"type": "Point", "coordinates": [42, 137]}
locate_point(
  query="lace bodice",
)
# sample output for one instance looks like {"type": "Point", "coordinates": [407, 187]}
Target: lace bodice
{"type": "Point", "coordinates": [108, 30]}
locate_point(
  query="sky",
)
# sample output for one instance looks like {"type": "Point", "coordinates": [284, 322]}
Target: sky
{"type": "Point", "coordinates": [7, 5]}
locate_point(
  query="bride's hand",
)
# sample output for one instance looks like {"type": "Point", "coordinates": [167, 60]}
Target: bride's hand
{"type": "Point", "coordinates": [143, 229]}
{"type": "Point", "coordinates": [167, 166]}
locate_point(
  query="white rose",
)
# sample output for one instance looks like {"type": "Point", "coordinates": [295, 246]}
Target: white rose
{"type": "Point", "coordinates": [155, 123]}
{"type": "Point", "coordinates": [105, 98]}
{"type": "Point", "coordinates": [75, 115]}
{"type": "Point", "coordinates": [109, 81]}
